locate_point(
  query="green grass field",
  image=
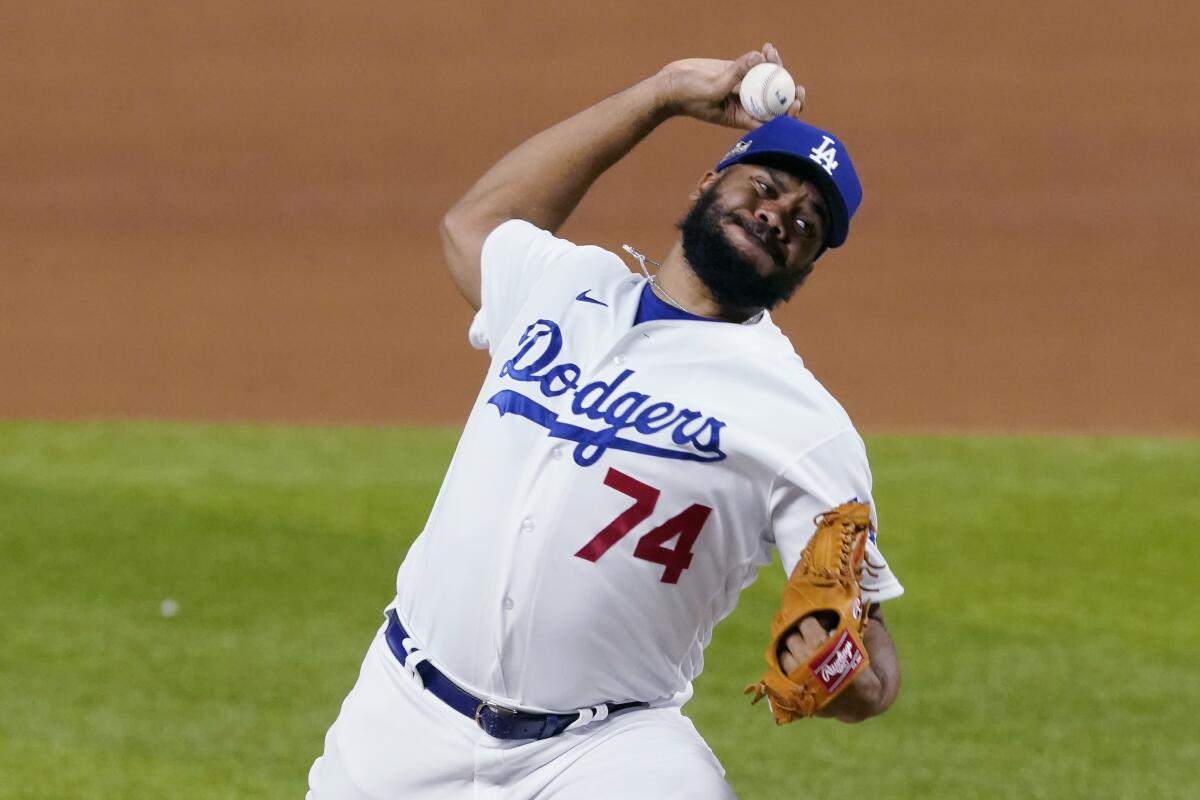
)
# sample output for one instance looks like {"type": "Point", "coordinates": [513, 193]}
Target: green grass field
{"type": "Point", "coordinates": [1049, 636]}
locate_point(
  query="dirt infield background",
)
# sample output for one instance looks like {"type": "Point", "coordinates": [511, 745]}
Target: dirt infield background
{"type": "Point", "coordinates": [227, 210]}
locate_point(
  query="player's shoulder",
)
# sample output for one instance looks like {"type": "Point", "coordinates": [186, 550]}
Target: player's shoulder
{"type": "Point", "coordinates": [800, 394]}
{"type": "Point", "coordinates": [520, 239]}
{"type": "Point", "coordinates": [798, 380]}
{"type": "Point", "coordinates": [815, 394]}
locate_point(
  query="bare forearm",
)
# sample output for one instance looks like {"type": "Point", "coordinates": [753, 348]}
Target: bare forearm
{"type": "Point", "coordinates": [543, 179]}
{"type": "Point", "coordinates": [885, 664]}
{"type": "Point", "coordinates": [875, 689]}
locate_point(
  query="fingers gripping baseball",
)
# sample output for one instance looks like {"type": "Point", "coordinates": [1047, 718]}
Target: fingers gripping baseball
{"type": "Point", "coordinates": [707, 88]}
{"type": "Point", "coordinates": [772, 55]}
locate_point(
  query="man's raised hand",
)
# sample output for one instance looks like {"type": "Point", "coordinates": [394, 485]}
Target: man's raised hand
{"type": "Point", "coordinates": [707, 88]}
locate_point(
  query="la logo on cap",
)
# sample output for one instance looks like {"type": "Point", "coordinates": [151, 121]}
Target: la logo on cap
{"type": "Point", "coordinates": [825, 155]}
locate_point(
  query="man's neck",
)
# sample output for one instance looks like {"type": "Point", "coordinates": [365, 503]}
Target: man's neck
{"type": "Point", "coordinates": [678, 284]}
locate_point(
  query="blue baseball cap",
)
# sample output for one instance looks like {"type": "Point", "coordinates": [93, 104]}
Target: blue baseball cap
{"type": "Point", "coordinates": [811, 153]}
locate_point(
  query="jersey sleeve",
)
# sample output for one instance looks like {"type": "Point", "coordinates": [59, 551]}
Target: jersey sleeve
{"type": "Point", "coordinates": [827, 475]}
{"type": "Point", "coordinates": [515, 257]}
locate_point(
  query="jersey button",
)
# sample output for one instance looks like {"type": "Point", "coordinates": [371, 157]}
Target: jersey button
{"type": "Point", "coordinates": [527, 525]}
{"type": "Point", "coordinates": [618, 360]}
{"type": "Point", "coordinates": [508, 604]}
{"type": "Point", "coordinates": [556, 454]}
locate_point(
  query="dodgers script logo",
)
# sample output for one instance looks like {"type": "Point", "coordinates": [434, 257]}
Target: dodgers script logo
{"type": "Point", "coordinates": [652, 428]}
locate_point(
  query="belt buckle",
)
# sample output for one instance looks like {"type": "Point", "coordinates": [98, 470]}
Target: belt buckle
{"type": "Point", "coordinates": [503, 714]}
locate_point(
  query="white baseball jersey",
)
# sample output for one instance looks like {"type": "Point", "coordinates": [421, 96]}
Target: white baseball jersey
{"type": "Point", "coordinates": [616, 485]}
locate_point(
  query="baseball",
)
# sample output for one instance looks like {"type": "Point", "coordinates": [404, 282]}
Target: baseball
{"type": "Point", "coordinates": [767, 91]}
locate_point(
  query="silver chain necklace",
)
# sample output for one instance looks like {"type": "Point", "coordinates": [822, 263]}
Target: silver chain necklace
{"type": "Point", "coordinates": [653, 279]}
{"type": "Point", "coordinates": [641, 259]}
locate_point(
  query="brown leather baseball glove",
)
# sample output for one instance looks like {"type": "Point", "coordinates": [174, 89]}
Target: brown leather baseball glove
{"type": "Point", "coordinates": [824, 583]}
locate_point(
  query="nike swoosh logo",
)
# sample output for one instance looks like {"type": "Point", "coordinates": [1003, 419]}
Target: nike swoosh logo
{"type": "Point", "coordinates": [583, 297]}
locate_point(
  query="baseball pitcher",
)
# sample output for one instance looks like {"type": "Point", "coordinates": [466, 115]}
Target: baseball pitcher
{"type": "Point", "coordinates": [642, 443]}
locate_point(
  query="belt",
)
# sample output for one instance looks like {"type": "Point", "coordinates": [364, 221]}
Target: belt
{"type": "Point", "coordinates": [495, 720]}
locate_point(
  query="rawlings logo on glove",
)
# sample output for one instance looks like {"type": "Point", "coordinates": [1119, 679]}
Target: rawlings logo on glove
{"type": "Point", "coordinates": [838, 662]}
{"type": "Point", "coordinates": [825, 581]}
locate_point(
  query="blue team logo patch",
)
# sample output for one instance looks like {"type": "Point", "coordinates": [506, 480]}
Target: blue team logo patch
{"type": "Point", "coordinates": [652, 428]}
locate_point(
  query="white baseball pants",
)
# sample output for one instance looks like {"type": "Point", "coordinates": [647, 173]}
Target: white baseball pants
{"type": "Point", "coordinates": [394, 740]}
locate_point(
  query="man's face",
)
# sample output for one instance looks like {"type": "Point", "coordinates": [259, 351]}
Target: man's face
{"type": "Point", "coordinates": [752, 235]}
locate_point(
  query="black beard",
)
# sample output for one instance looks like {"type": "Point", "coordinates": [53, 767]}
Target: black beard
{"type": "Point", "coordinates": [730, 277]}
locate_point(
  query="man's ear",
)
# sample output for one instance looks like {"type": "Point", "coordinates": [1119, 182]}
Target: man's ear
{"type": "Point", "coordinates": [708, 180]}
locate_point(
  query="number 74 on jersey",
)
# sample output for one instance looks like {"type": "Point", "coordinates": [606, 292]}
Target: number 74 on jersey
{"type": "Point", "coordinates": [653, 546]}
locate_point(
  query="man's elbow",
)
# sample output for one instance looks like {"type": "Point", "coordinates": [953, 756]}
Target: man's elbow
{"type": "Point", "coordinates": [852, 716]}
{"type": "Point", "coordinates": [858, 706]}
{"type": "Point", "coordinates": [462, 247]}
{"type": "Point", "coordinates": [454, 231]}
